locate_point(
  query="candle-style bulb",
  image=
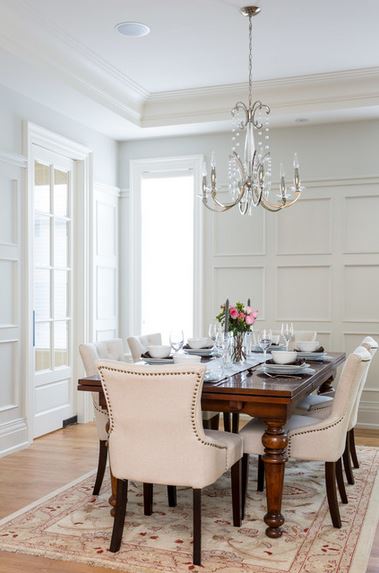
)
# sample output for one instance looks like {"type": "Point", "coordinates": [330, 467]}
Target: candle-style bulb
{"type": "Point", "coordinates": [282, 172]}
{"type": "Point", "coordinates": [296, 163]}
{"type": "Point", "coordinates": [205, 169]}
{"type": "Point", "coordinates": [213, 160]}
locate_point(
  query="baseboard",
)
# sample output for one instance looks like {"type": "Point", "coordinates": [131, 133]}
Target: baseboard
{"type": "Point", "coordinates": [368, 416]}
{"type": "Point", "coordinates": [13, 436]}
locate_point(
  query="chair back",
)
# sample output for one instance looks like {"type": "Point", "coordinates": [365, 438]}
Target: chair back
{"type": "Point", "coordinates": [156, 433]}
{"type": "Point", "coordinates": [372, 346]}
{"type": "Point", "coordinates": [94, 351]}
{"type": "Point", "coordinates": [353, 374]}
{"type": "Point", "coordinates": [138, 344]}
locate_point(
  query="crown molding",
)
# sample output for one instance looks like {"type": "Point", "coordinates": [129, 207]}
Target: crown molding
{"type": "Point", "coordinates": [29, 35]}
{"type": "Point", "coordinates": [13, 159]}
{"type": "Point", "coordinates": [300, 94]}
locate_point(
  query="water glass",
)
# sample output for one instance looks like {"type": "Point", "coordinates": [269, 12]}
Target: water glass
{"type": "Point", "coordinates": [176, 339]}
{"type": "Point", "coordinates": [213, 329]}
{"type": "Point", "coordinates": [248, 342]}
{"type": "Point", "coordinates": [264, 339]}
{"type": "Point", "coordinates": [286, 332]}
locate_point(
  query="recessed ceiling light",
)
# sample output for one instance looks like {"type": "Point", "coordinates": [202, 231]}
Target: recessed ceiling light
{"type": "Point", "coordinates": [132, 29]}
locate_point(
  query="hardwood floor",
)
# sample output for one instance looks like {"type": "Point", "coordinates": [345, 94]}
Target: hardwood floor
{"type": "Point", "coordinates": [56, 459]}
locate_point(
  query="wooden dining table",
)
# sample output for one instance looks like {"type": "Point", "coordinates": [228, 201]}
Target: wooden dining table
{"type": "Point", "coordinates": [272, 400]}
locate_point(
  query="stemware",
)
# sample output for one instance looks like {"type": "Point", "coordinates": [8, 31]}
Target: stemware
{"type": "Point", "coordinates": [176, 340]}
{"type": "Point", "coordinates": [213, 330]}
{"type": "Point", "coordinates": [263, 339]}
{"type": "Point", "coordinates": [286, 332]}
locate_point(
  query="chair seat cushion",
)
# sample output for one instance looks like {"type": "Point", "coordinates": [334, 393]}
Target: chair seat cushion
{"type": "Point", "coordinates": [232, 442]}
{"type": "Point", "coordinates": [252, 433]}
{"type": "Point", "coordinates": [314, 402]}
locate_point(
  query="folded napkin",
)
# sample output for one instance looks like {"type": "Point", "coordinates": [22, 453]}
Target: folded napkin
{"type": "Point", "coordinates": [297, 362]}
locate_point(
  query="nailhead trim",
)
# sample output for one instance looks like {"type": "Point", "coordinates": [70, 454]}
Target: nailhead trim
{"type": "Point", "coordinates": [164, 373]}
{"type": "Point", "coordinates": [311, 432]}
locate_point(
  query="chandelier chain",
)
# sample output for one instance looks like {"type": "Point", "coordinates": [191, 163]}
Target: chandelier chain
{"type": "Point", "coordinates": [250, 61]}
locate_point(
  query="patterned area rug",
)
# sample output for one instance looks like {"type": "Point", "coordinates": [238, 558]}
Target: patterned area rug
{"type": "Point", "coordinates": [71, 524]}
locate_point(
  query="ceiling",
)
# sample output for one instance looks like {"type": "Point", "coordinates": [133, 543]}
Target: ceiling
{"type": "Point", "coordinates": [312, 61]}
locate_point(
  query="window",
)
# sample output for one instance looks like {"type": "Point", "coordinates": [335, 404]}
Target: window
{"type": "Point", "coordinates": [167, 223]}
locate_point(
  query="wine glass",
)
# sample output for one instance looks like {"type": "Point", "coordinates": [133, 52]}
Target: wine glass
{"type": "Point", "coordinates": [213, 329]}
{"type": "Point", "coordinates": [286, 332]}
{"type": "Point", "coordinates": [264, 339]}
{"type": "Point", "coordinates": [176, 339]}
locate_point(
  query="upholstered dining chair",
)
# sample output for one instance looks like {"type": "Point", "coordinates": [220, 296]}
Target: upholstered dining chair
{"type": "Point", "coordinates": [320, 406]}
{"type": "Point", "coordinates": [90, 353]}
{"type": "Point", "coordinates": [315, 439]}
{"type": "Point", "coordinates": [156, 436]}
{"type": "Point", "coordinates": [138, 346]}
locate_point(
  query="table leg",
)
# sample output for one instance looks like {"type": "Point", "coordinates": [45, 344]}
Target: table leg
{"type": "Point", "coordinates": [275, 443]}
{"type": "Point", "coordinates": [327, 387]}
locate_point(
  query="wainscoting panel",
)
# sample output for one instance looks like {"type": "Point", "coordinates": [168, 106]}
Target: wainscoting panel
{"type": "Point", "coordinates": [13, 428]}
{"type": "Point", "coordinates": [315, 264]}
{"type": "Point", "coordinates": [105, 323]}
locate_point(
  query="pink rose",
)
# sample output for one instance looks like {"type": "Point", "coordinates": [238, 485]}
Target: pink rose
{"type": "Point", "coordinates": [233, 312]}
{"type": "Point", "coordinates": [254, 314]}
{"type": "Point", "coordinates": [241, 316]}
{"type": "Point", "coordinates": [248, 310]}
{"type": "Point", "coordinates": [249, 319]}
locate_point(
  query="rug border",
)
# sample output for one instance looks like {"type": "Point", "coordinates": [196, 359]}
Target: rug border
{"type": "Point", "coordinates": [367, 535]}
{"type": "Point", "coordinates": [46, 497]}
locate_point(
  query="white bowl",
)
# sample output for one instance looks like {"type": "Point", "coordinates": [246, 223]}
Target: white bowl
{"type": "Point", "coordinates": [159, 351]}
{"type": "Point", "coordinates": [307, 345]}
{"type": "Point", "coordinates": [284, 356]}
{"type": "Point", "coordinates": [198, 343]}
{"type": "Point", "coordinates": [186, 359]}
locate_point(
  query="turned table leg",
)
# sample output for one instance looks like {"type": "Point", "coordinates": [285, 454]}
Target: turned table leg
{"type": "Point", "coordinates": [275, 443]}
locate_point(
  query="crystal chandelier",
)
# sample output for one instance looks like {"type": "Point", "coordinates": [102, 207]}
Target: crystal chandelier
{"type": "Point", "coordinates": [249, 175]}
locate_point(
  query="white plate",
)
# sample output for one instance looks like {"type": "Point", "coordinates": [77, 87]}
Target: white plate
{"type": "Point", "coordinates": [318, 356]}
{"type": "Point", "coordinates": [152, 361]}
{"type": "Point", "coordinates": [200, 351]}
{"type": "Point", "coordinates": [284, 368]}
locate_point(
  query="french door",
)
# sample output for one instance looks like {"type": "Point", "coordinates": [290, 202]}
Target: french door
{"type": "Point", "coordinates": [52, 256]}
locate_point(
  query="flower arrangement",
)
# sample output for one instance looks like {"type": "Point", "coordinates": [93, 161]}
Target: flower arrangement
{"type": "Point", "coordinates": [239, 318]}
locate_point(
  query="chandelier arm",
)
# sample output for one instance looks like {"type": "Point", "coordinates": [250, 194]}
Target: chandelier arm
{"type": "Point", "coordinates": [274, 207]}
{"type": "Point", "coordinates": [227, 206]}
{"type": "Point", "coordinates": [258, 105]}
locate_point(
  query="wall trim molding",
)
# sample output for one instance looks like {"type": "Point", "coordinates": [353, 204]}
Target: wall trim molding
{"type": "Point", "coordinates": [14, 159]}
{"type": "Point", "coordinates": [106, 188]}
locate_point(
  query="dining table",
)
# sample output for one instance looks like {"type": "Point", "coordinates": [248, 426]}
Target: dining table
{"type": "Point", "coordinates": [271, 399]}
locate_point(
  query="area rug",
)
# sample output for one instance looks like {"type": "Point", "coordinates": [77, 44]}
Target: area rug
{"type": "Point", "coordinates": [71, 524]}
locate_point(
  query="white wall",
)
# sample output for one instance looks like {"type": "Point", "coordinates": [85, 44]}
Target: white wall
{"type": "Point", "coordinates": [316, 264]}
{"type": "Point", "coordinates": [14, 108]}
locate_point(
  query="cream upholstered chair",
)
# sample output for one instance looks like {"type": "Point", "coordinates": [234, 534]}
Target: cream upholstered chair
{"type": "Point", "coordinates": [320, 406]}
{"type": "Point", "coordinates": [156, 436]}
{"type": "Point", "coordinates": [138, 346]}
{"type": "Point", "coordinates": [90, 353]}
{"type": "Point", "coordinates": [310, 438]}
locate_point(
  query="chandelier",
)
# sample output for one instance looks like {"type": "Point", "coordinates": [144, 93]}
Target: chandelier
{"type": "Point", "coordinates": [249, 174]}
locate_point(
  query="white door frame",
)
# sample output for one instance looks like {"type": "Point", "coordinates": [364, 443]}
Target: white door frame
{"type": "Point", "coordinates": [158, 165]}
{"type": "Point", "coordinates": [39, 136]}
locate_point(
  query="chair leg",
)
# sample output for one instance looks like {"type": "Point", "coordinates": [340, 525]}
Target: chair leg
{"type": "Point", "coordinates": [196, 526]}
{"type": "Point", "coordinates": [171, 495]}
{"type": "Point", "coordinates": [119, 519]}
{"type": "Point", "coordinates": [353, 451]}
{"type": "Point", "coordinates": [340, 481]}
{"type": "Point", "coordinates": [227, 425]}
{"type": "Point", "coordinates": [347, 462]}
{"type": "Point", "coordinates": [245, 479]}
{"type": "Point", "coordinates": [331, 491]}
{"type": "Point", "coordinates": [235, 422]}
{"type": "Point", "coordinates": [101, 465]}
{"type": "Point", "coordinates": [261, 474]}
{"type": "Point", "coordinates": [215, 421]}
{"type": "Point", "coordinates": [236, 493]}
{"type": "Point", "coordinates": [147, 498]}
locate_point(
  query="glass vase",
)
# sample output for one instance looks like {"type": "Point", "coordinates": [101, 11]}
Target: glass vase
{"type": "Point", "coordinates": [238, 353]}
